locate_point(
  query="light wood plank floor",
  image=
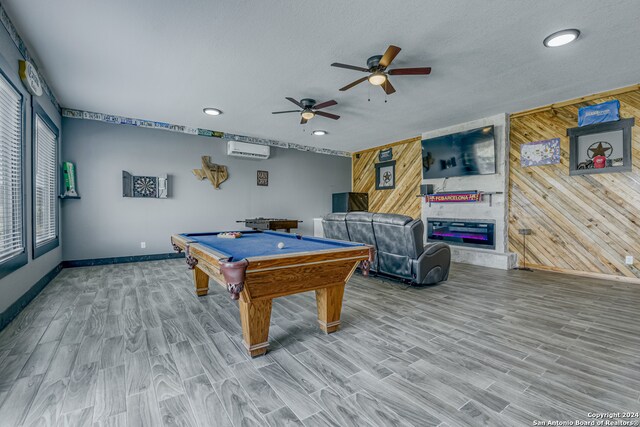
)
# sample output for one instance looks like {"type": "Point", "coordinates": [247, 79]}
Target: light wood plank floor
{"type": "Point", "coordinates": [131, 344]}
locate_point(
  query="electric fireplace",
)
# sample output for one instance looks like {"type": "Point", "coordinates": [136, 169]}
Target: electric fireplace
{"type": "Point", "coordinates": [477, 234]}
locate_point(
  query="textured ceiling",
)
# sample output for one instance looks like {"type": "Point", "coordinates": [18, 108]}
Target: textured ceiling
{"type": "Point", "coordinates": [165, 60]}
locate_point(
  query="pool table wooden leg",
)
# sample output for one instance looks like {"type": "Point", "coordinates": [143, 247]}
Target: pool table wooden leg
{"type": "Point", "coordinates": [201, 280]}
{"type": "Point", "coordinates": [255, 317]}
{"type": "Point", "coordinates": [329, 301]}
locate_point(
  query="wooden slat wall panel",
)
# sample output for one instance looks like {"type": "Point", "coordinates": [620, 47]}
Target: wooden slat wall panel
{"type": "Point", "coordinates": [580, 223]}
{"type": "Point", "coordinates": [402, 199]}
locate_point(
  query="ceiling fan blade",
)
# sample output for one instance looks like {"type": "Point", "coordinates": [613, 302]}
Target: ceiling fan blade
{"type": "Point", "coordinates": [410, 71]}
{"type": "Point", "coordinates": [282, 112]}
{"type": "Point", "coordinates": [389, 55]}
{"type": "Point", "coordinates": [295, 102]}
{"type": "Point", "coordinates": [350, 67]}
{"type": "Point", "coordinates": [327, 115]}
{"type": "Point", "coordinates": [324, 105]}
{"type": "Point", "coordinates": [388, 87]}
{"type": "Point", "coordinates": [303, 120]}
{"type": "Point", "coordinates": [352, 84]}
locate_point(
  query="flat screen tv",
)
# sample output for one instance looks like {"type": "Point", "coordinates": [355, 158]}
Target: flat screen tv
{"type": "Point", "coordinates": [471, 152]}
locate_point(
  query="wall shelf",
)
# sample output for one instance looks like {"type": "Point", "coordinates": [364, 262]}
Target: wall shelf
{"type": "Point", "coordinates": [62, 197]}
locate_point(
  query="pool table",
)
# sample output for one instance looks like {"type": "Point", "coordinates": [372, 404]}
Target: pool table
{"type": "Point", "coordinates": [255, 270]}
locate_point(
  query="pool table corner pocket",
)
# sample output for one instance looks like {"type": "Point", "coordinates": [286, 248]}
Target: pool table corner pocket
{"type": "Point", "coordinates": [234, 274]}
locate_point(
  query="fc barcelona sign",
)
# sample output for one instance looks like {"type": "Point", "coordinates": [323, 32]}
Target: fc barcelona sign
{"type": "Point", "coordinates": [454, 197]}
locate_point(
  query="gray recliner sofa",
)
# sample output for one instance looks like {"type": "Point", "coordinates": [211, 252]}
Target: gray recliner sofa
{"type": "Point", "coordinates": [398, 239]}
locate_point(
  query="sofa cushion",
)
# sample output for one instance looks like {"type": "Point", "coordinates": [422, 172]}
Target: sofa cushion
{"type": "Point", "coordinates": [397, 265]}
{"type": "Point", "coordinates": [361, 230]}
{"type": "Point", "coordinates": [335, 226]}
{"type": "Point", "coordinates": [398, 235]}
{"type": "Point", "coordinates": [393, 219]}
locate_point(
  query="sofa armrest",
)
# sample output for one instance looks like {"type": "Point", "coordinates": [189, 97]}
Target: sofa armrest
{"type": "Point", "coordinates": [432, 266]}
{"type": "Point", "coordinates": [431, 248]}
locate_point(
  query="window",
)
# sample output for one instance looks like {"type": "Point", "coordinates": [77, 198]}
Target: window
{"type": "Point", "coordinates": [45, 182]}
{"type": "Point", "coordinates": [12, 242]}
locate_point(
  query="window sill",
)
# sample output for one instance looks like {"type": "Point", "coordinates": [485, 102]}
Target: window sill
{"type": "Point", "coordinates": [46, 247]}
{"type": "Point", "coordinates": [12, 264]}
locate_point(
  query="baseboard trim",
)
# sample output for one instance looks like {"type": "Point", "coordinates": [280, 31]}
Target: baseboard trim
{"type": "Point", "coordinates": [14, 309]}
{"type": "Point", "coordinates": [623, 279]}
{"type": "Point", "coordinates": [120, 260]}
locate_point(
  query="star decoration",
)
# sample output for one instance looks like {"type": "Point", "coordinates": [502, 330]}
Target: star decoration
{"type": "Point", "coordinates": [599, 150]}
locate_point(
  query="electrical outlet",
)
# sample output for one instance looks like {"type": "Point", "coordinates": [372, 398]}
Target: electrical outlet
{"type": "Point", "coordinates": [628, 260]}
{"type": "Point", "coordinates": [143, 245]}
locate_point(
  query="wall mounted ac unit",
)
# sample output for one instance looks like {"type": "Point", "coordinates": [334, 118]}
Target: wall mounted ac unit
{"type": "Point", "coordinates": [252, 151]}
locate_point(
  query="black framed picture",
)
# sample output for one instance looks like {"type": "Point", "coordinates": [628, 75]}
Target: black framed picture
{"type": "Point", "coordinates": [600, 148]}
{"type": "Point", "coordinates": [263, 178]}
{"type": "Point", "coordinates": [386, 175]}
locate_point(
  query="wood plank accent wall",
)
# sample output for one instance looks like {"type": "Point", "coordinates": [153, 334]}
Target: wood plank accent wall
{"type": "Point", "coordinates": [401, 200]}
{"type": "Point", "coordinates": [581, 224]}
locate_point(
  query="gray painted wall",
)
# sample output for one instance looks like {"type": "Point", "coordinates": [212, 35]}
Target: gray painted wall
{"type": "Point", "coordinates": [17, 283]}
{"type": "Point", "coordinates": [105, 224]}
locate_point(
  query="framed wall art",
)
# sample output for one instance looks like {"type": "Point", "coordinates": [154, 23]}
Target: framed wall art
{"type": "Point", "coordinates": [263, 178]}
{"type": "Point", "coordinates": [600, 148]}
{"type": "Point", "coordinates": [386, 175]}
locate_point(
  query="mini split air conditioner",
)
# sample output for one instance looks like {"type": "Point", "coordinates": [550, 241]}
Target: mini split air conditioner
{"type": "Point", "coordinates": [251, 151]}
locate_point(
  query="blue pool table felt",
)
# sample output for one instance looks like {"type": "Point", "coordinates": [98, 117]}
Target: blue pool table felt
{"type": "Point", "coordinates": [256, 243]}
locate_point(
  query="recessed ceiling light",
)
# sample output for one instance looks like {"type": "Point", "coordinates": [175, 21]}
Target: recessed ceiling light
{"type": "Point", "coordinates": [212, 111]}
{"type": "Point", "coordinates": [560, 38]}
{"type": "Point", "coordinates": [319, 132]}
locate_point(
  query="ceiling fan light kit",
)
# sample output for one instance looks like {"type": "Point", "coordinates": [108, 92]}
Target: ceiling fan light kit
{"type": "Point", "coordinates": [377, 78]}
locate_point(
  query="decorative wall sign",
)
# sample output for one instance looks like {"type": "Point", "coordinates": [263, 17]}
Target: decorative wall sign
{"type": "Point", "coordinates": [455, 197]}
{"type": "Point", "coordinates": [22, 48]}
{"type": "Point", "coordinates": [386, 175]}
{"type": "Point", "coordinates": [385, 155]}
{"type": "Point", "coordinates": [216, 174]}
{"type": "Point", "coordinates": [69, 181]}
{"type": "Point", "coordinates": [604, 112]}
{"type": "Point", "coordinates": [540, 153]}
{"type": "Point", "coordinates": [144, 186]}
{"type": "Point", "coordinates": [601, 148]}
{"type": "Point", "coordinates": [109, 118]}
{"type": "Point", "coordinates": [263, 178]}
{"type": "Point", "coordinates": [30, 78]}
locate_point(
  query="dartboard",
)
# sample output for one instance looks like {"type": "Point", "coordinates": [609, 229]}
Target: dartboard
{"type": "Point", "coordinates": [386, 177]}
{"type": "Point", "coordinates": [144, 186]}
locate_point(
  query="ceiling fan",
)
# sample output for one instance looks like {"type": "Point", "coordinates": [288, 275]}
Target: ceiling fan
{"type": "Point", "coordinates": [310, 109]}
{"type": "Point", "coordinates": [377, 65]}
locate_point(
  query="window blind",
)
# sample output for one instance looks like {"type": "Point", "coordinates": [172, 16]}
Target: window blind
{"type": "Point", "coordinates": [11, 227]}
{"type": "Point", "coordinates": [46, 190]}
